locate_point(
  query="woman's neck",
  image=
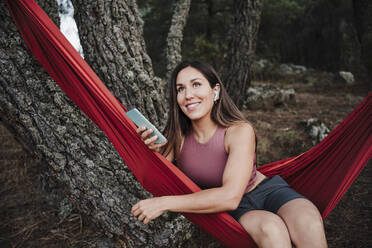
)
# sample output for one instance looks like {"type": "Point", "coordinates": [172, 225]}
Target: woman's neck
{"type": "Point", "coordinates": [203, 129]}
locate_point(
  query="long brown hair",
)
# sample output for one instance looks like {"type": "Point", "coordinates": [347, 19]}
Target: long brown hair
{"type": "Point", "coordinates": [224, 112]}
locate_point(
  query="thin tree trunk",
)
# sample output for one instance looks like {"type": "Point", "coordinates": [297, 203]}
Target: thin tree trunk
{"type": "Point", "coordinates": [175, 35]}
{"type": "Point", "coordinates": [77, 155]}
{"type": "Point", "coordinates": [363, 25]}
{"type": "Point", "coordinates": [242, 37]}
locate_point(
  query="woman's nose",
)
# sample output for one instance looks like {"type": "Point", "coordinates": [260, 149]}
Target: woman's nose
{"type": "Point", "coordinates": [189, 93]}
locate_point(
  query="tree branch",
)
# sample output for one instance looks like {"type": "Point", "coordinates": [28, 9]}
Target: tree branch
{"type": "Point", "coordinates": [175, 35]}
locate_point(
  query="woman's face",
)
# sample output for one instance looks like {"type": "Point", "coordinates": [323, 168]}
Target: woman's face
{"type": "Point", "coordinates": [194, 94]}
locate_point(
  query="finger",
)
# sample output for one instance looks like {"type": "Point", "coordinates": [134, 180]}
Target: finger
{"type": "Point", "coordinates": [136, 206]}
{"type": "Point", "coordinates": [133, 209]}
{"type": "Point", "coordinates": [136, 210]}
{"type": "Point", "coordinates": [153, 139]}
{"type": "Point", "coordinates": [140, 129]}
{"type": "Point", "coordinates": [147, 220]}
{"type": "Point", "coordinates": [146, 133]}
{"type": "Point", "coordinates": [150, 141]}
{"type": "Point", "coordinates": [155, 147]}
{"type": "Point", "coordinates": [141, 217]}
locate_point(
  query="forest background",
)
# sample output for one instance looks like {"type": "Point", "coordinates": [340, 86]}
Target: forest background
{"type": "Point", "coordinates": [316, 34]}
{"type": "Point", "coordinates": [41, 201]}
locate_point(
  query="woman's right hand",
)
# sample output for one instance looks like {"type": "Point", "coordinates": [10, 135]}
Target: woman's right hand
{"type": "Point", "coordinates": [149, 141]}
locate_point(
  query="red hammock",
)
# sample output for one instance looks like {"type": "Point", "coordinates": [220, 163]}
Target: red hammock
{"type": "Point", "coordinates": [323, 174]}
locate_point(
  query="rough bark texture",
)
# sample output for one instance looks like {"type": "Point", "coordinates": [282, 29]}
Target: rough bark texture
{"type": "Point", "coordinates": [112, 39]}
{"type": "Point", "coordinates": [175, 35]}
{"type": "Point", "coordinates": [363, 25]}
{"type": "Point", "coordinates": [76, 155]}
{"type": "Point", "coordinates": [241, 48]}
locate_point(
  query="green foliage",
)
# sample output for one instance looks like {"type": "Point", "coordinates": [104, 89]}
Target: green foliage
{"type": "Point", "coordinates": [205, 32]}
{"type": "Point", "coordinates": [277, 16]}
{"type": "Point", "coordinates": [205, 50]}
{"type": "Point", "coordinates": [315, 33]}
{"type": "Point", "coordinates": [157, 15]}
{"type": "Point", "coordinates": [281, 13]}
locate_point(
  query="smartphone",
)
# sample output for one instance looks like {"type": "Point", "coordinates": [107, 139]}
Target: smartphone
{"type": "Point", "coordinates": [141, 121]}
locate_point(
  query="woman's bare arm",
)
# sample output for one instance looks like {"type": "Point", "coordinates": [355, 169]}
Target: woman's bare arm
{"type": "Point", "coordinates": [241, 147]}
{"type": "Point", "coordinates": [240, 140]}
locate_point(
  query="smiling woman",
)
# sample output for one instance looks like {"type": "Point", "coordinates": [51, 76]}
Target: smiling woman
{"type": "Point", "coordinates": [195, 96]}
{"type": "Point", "coordinates": [213, 144]}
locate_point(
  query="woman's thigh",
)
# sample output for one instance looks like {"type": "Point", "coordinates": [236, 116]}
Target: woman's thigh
{"type": "Point", "coordinates": [303, 220]}
{"type": "Point", "coordinates": [293, 210]}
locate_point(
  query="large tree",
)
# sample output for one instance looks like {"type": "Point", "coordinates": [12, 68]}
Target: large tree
{"type": "Point", "coordinates": [76, 154]}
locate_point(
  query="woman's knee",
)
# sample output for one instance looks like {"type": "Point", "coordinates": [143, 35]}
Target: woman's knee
{"type": "Point", "coordinates": [265, 226]}
{"type": "Point", "coordinates": [272, 227]}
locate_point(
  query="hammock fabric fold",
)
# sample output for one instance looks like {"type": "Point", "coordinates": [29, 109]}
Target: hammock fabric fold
{"type": "Point", "coordinates": [323, 174]}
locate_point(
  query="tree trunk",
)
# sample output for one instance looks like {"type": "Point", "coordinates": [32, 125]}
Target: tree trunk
{"type": "Point", "coordinates": [113, 44]}
{"type": "Point", "coordinates": [77, 155]}
{"type": "Point", "coordinates": [175, 35]}
{"type": "Point", "coordinates": [237, 71]}
{"type": "Point", "coordinates": [363, 25]}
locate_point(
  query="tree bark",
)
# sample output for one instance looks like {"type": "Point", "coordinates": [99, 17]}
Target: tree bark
{"type": "Point", "coordinates": [363, 25]}
{"type": "Point", "coordinates": [175, 35]}
{"type": "Point", "coordinates": [76, 154]}
{"type": "Point", "coordinates": [242, 38]}
{"type": "Point", "coordinates": [111, 33]}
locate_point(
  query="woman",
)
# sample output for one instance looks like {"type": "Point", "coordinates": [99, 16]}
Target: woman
{"type": "Point", "coordinates": [212, 143]}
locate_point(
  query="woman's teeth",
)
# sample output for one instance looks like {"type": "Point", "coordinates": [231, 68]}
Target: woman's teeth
{"type": "Point", "coordinates": [193, 105]}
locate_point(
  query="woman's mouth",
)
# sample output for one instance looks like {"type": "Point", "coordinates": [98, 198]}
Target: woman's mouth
{"type": "Point", "coordinates": [192, 106]}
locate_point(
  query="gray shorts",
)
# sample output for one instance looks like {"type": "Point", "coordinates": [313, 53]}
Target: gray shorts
{"type": "Point", "coordinates": [270, 195]}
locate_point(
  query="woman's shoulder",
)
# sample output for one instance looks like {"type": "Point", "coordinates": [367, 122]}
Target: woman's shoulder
{"type": "Point", "coordinates": [238, 133]}
{"type": "Point", "coordinates": [240, 128]}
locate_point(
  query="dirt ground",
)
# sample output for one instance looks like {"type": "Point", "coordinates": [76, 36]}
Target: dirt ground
{"type": "Point", "coordinates": [28, 219]}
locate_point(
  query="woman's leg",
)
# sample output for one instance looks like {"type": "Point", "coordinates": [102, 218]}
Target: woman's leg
{"type": "Point", "coordinates": [266, 229]}
{"type": "Point", "coordinates": [305, 225]}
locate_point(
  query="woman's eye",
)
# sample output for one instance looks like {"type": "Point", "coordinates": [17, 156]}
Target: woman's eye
{"type": "Point", "coordinates": [196, 84]}
{"type": "Point", "coordinates": [180, 89]}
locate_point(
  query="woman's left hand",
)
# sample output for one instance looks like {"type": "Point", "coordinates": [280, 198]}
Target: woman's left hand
{"type": "Point", "coordinates": [149, 209]}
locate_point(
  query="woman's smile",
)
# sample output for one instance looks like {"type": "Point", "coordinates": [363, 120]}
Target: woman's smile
{"type": "Point", "coordinates": [194, 94]}
{"type": "Point", "coordinates": [192, 106]}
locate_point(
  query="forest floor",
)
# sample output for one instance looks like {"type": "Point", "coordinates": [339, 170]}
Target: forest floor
{"type": "Point", "coordinates": [29, 220]}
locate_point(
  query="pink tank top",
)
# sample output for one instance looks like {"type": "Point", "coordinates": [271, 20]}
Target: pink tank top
{"type": "Point", "coordinates": [205, 163]}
